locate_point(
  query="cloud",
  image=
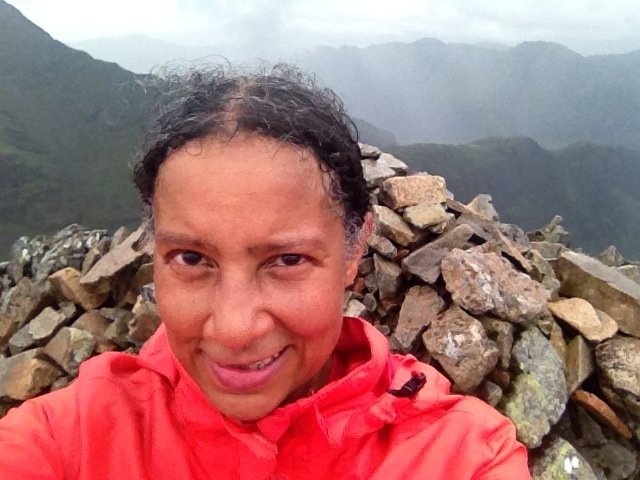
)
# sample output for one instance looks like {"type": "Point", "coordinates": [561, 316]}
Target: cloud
{"type": "Point", "coordinates": [577, 23]}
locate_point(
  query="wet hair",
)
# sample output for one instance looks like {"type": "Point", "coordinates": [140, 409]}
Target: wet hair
{"type": "Point", "coordinates": [283, 104]}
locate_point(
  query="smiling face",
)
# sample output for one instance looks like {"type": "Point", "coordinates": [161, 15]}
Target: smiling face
{"type": "Point", "coordinates": [250, 268]}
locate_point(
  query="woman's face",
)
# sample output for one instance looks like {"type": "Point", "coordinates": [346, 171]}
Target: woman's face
{"type": "Point", "coordinates": [250, 269]}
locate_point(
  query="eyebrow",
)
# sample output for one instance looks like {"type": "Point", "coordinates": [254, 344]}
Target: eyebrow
{"type": "Point", "coordinates": [183, 240]}
{"type": "Point", "coordinates": [286, 245]}
{"type": "Point", "coordinates": [269, 246]}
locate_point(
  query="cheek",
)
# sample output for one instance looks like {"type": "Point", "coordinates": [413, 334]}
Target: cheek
{"type": "Point", "coordinates": [183, 310]}
{"type": "Point", "coordinates": [314, 314]}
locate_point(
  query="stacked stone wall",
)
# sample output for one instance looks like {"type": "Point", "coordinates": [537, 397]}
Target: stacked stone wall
{"type": "Point", "coordinates": [544, 333]}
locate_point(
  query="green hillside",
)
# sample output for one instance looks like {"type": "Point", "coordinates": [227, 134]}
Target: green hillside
{"type": "Point", "coordinates": [595, 188]}
{"type": "Point", "coordinates": [68, 126]}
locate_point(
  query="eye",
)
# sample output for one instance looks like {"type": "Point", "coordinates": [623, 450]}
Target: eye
{"type": "Point", "coordinates": [289, 260]}
{"type": "Point", "coordinates": [189, 257]}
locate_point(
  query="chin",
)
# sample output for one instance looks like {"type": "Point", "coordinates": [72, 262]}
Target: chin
{"type": "Point", "coordinates": [245, 409]}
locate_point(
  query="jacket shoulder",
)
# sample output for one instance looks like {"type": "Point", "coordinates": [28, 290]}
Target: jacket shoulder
{"type": "Point", "coordinates": [437, 428]}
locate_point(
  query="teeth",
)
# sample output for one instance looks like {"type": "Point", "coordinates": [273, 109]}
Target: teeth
{"type": "Point", "coordinates": [259, 365]}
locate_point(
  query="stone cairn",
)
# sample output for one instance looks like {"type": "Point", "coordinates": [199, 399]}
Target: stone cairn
{"type": "Point", "coordinates": [547, 335]}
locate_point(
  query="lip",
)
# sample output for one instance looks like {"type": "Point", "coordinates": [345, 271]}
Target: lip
{"type": "Point", "coordinates": [234, 379]}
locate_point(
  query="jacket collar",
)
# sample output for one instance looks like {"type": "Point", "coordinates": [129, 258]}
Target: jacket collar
{"type": "Point", "coordinates": [356, 402]}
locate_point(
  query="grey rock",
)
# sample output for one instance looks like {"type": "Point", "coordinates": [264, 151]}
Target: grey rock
{"type": "Point", "coordinates": [425, 261]}
{"type": "Point", "coordinates": [127, 254]}
{"type": "Point", "coordinates": [369, 151]}
{"type": "Point", "coordinates": [487, 283]}
{"type": "Point", "coordinates": [483, 205]}
{"type": "Point", "coordinates": [426, 214]}
{"type": "Point", "coordinates": [559, 460]}
{"type": "Point", "coordinates": [421, 304]}
{"type": "Point", "coordinates": [548, 250]}
{"type": "Point", "coordinates": [375, 171]}
{"type": "Point", "coordinates": [355, 308]}
{"type": "Point", "coordinates": [371, 282]}
{"type": "Point", "coordinates": [118, 330]}
{"type": "Point", "coordinates": [23, 376]}
{"type": "Point", "coordinates": [400, 192]}
{"type": "Point", "coordinates": [388, 277]}
{"type": "Point", "coordinates": [580, 314]}
{"type": "Point", "coordinates": [602, 412]}
{"type": "Point", "coordinates": [370, 303]}
{"type": "Point", "coordinates": [630, 271]}
{"type": "Point", "coordinates": [392, 226]}
{"type": "Point", "coordinates": [38, 330]}
{"type": "Point", "coordinates": [539, 393]}
{"type": "Point", "coordinates": [96, 324]}
{"type": "Point", "coordinates": [553, 232]}
{"type": "Point", "coordinates": [20, 304]}
{"type": "Point", "coordinates": [618, 360]}
{"type": "Point", "coordinates": [489, 392]}
{"type": "Point", "coordinates": [501, 332]}
{"type": "Point", "coordinates": [66, 283]}
{"type": "Point", "coordinates": [611, 257]}
{"type": "Point", "coordinates": [145, 321]}
{"type": "Point", "coordinates": [459, 343]}
{"type": "Point", "coordinates": [616, 461]}
{"type": "Point", "coordinates": [382, 245]}
{"type": "Point", "coordinates": [590, 431]}
{"type": "Point", "coordinates": [579, 363]}
{"type": "Point", "coordinates": [366, 266]}
{"type": "Point", "coordinates": [556, 339]}
{"type": "Point", "coordinates": [68, 248]}
{"type": "Point", "coordinates": [119, 236]}
{"type": "Point", "coordinates": [69, 348]}
{"type": "Point", "coordinates": [542, 271]}
{"type": "Point", "coordinates": [95, 253]}
{"type": "Point", "coordinates": [20, 256]}
{"type": "Point", "coordinates": [148, 292]}
{"type": "Point", "coordinates": [603, 287]}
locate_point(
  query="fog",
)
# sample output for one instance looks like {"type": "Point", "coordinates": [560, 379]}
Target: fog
{"type": "Point", "coordinates": [586, 26]}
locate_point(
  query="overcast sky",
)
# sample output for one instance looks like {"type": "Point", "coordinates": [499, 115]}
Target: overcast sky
{"type": "Point", "coordinates": [587, 26]}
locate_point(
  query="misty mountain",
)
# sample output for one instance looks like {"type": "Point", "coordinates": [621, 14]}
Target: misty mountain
{"type": "Point", "coordinates": [142, 54]}
{"type": "Point", "coordinates": [371, 134]}
{"type": "Point", "coordinates": [595, 188]}
{"type": "Point", "coordinates": [429, 91]}
{"type": "Point", "coordinates": [68, 128]}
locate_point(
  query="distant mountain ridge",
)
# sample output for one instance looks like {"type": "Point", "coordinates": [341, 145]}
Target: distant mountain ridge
{"type": "Point", "coordinates": [68, 127]}
{"type": "Point", "coordinates": [595, 188]}
{"type": "Point", "coordinates": [429, 91]}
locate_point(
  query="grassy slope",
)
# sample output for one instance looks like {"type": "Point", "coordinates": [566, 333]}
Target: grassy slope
{"type": "Point", "coordinates": [68, 125]}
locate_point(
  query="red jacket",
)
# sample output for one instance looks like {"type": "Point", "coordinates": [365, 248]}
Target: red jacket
{"type": "Point", "coordinates": [129, 417]}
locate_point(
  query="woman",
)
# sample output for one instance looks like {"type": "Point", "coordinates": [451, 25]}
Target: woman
{"type": "Point", "coordinates": [260, 214]}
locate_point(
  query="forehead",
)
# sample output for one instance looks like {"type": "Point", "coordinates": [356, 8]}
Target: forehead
{"type": "Point", "coordinates": [231, 181]}
{"type": "Point", "coordinates": [252, 160]}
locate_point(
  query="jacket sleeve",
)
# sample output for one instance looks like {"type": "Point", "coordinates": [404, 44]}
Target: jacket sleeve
{"type": "Point", "coordinates": [506, 457]}
{"type": "Point", "coordinates": [28, 449]}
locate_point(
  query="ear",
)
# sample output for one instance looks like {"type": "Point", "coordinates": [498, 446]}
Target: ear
{"type": "Point", "coordinates": [358, 250]}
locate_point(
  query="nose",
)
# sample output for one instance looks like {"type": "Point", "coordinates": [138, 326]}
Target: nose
{"type": "Point", "coordinates": [237, 315]}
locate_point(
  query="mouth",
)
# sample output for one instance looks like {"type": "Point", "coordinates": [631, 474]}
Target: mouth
{"type": "Point", "coordinates": [254, 366]}
{"type": "Point", "coordinates": [248, 377]}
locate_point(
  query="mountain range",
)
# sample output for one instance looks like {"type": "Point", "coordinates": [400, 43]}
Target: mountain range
{"type": "Point", "coordinates": [431, 91]}
{"type": "Point", "coordinates": [70, 126]}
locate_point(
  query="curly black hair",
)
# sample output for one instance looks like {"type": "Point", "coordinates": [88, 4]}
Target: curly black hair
{"type": "Point", "coordinates": [283, 104]}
